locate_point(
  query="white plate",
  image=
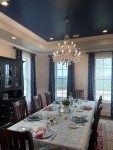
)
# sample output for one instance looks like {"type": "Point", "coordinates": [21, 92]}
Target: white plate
{"type": "Point", "coordinates": [73, 126]}
{"type": "Point", "coordinates": [79, 110]}
{"type": "Point", "coordinates": [47, 134]}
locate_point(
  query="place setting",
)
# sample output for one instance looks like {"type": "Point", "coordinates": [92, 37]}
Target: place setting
{"type": "Point", "coordinates": [34, 117]}
{"type": "Point", "coordinates": [79, 118]}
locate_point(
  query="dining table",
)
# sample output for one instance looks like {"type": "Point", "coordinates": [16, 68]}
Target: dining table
{"type": "Point", "coordinates": [66, 134]}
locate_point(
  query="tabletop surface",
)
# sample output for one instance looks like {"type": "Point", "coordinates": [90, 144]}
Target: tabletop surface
{"type": "Point", "coordinates": [65, 138]}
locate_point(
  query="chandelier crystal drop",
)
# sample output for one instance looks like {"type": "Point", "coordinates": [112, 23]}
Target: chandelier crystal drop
{"type": "Point", "coordinates": [67, 52]}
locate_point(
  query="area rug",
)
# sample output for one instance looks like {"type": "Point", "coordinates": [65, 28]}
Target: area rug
{"type": "Point", "coordinates": [102, 137]}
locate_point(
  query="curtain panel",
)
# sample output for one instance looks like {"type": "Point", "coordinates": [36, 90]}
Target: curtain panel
{"type": "Point", "coordinates": [18, 54]}
{"type": "Point", "coordinates": [52, 78]}
{"type": "Point", "coordinates": [91, 77]}
{"type": "Point", "coordinates": [112, 89]}
{"type": "Point", "coordinates": [33, 81]}
{"type": "Point", "coordinates": [71, 80]}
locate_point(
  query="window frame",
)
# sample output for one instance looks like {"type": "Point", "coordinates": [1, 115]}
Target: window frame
{"type": "Point", "coordinates": [103, 56]}
{"type": "Point", "coordinates": [56, 78]}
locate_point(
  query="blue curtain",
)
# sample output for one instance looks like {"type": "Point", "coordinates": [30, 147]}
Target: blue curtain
{"type": "Point", "coordinates": [70, 80]}
{"type": "Point", "coordinates": [112, 89]}
{"type": "Point", "coordinates": [18, 54]}
{"type": "Point", "coordinates": [33, 81]}
{"type": "Point", "coordinates": [52, 78]}
{"type": "Point", "coordinates": [91, 77]}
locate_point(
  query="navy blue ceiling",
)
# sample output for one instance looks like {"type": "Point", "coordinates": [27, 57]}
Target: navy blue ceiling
{"type": "Point", "coordinates": [46, 17]}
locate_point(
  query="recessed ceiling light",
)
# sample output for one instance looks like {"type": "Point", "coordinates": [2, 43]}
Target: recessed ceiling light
{"type": "Point", "coordinates": [104, 31]}
{"type": "Point", "coordinates": [51, 38]}
{"type": "Point", "coordinates": [13, 37]}
{"type": "Point", "coordinates": [4, 3]}
{"type": "Point", "coordinates": [76, 35]}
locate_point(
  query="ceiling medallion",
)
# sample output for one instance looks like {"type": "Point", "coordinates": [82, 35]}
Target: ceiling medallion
{"type": "Point", "coordinates": [67, 52]}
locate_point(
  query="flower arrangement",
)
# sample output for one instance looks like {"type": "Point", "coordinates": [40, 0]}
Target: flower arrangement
{"type": "Point", "coordinates": [66, 102]}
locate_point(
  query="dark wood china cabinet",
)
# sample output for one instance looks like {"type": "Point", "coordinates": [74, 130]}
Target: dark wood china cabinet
{"type": "Point", "coordinates": [11, 86]}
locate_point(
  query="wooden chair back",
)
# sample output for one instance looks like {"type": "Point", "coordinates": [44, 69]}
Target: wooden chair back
{"type": "Point", "coordinates": [99, 101]}
{"type": "Point", "coordinates": [79, 94]}
{"type": "Point", "coordinates": [94, 134]}
{"type": "Point", "coordinates": [14, 140]}
{"type": "Point", "coordinates": [37, 100]}
{"type": "Point", "coordinates": [48, 98]}
{"type": "Point", "coordinates": [20, 110]}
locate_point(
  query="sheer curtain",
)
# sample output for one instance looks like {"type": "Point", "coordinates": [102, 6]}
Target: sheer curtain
{"type": "Point", "coordinates": [112, 89]}
{"type": "Point", "coordinates": [27, 77]}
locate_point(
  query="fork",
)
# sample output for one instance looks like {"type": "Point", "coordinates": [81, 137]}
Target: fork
{"type": "Point", "coordinates": [55, 134]}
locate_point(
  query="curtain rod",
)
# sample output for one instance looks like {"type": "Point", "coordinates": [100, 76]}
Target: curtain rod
{"type": "Point", "coordinates": [23, 50]}
{"type": "Point", "coordinates": [99, 52]}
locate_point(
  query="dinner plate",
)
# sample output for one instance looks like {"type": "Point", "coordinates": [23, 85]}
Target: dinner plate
{"type": "Point", "coordinates": [79, 120]}
{"type": "Point", "coordinates": [47, 134]}
{"type": "Point", "coordinates": [34, 118]}
{"type": "Point", "coordinates": [79, 110]}
{"type": "Point", "coordinates": [73, 126]}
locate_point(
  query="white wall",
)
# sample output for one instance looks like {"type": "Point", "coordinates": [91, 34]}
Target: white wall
{"type": "Point", "coordinates": [42, 69]}
{"type": "Point", "coordinates": [81, 74]}
{"type": "Point", "coordinates": [7, 50]}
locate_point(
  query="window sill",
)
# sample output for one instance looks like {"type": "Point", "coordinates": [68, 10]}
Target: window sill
{"type": "Point", "coordinates": [105, 102]}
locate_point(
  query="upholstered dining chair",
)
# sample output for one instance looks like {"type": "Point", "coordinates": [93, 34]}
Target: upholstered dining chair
{"type": "Point", "coordinates": [20, 110]}
{"type": "Point", "coordinates": [48, 98]}
{"type": "Point", "coordinates": [78, 94]}
{"type": "Point", "coordinates": [14, 140]}
{"type": "Point", "coordinates": [37, 100]}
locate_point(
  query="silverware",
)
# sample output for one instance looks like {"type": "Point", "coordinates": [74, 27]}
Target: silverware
{"type": "Point", "coordinates": [55, 134]}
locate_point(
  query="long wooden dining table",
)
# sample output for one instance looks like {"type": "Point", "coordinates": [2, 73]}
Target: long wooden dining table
{"type": "Point", "coordinates": [64, 137]}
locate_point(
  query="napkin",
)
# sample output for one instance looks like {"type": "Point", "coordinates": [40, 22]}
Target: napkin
{"type": "Point", "coordinates": [87, 108]}
{"type": "Point", "coordinates": [49, 108]}
{"type": "Point", "coordinates": [40, 132]}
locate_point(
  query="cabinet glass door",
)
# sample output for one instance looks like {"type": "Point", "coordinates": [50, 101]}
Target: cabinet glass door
{"type": "Point", "coordinates": [17, 75]}
{"type": "Point", "coordinates": [8, 75]}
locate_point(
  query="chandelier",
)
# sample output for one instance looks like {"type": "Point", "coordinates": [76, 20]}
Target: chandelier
{"type": "Point", "coordinates": [67, 52]}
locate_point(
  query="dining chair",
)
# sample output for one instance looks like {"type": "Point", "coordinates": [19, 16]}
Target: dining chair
{"type": "Point", "coordinates": [94, 133]}
{"type": "Point", "coordinates": [37, 100]}
{"type": "Point", "coordinates": [79, 94]}
{"type": "Point", "coordinates": [48, 98]}
{"type": "Point", "coordinates": [14, 140]}
{"type": "Point", "coordinates": [99, 101]}
{"type": "Point", "coordinates": [20, 110]}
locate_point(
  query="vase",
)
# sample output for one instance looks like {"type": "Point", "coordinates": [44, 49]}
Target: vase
{"type": "Point", "coordinates": [66, 109]}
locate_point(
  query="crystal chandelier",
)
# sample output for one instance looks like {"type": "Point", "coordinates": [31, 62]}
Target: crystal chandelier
{"type": "Point", "coordinates": [67, 52]}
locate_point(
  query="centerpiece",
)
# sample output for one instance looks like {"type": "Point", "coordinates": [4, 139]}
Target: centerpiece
{"type": "Point", "coordinates": [66, 104]}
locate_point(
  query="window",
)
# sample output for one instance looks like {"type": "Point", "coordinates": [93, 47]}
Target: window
{"type": "Point", "coordinates": [61, 72]}
{"type": "Point", "coordinates": [27, 75]}
{"type": "Point", "coordinates": [103, 77]}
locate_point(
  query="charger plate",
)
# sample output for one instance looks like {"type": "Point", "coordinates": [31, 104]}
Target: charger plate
{"type": "Point", "coordinates": [47, 134]}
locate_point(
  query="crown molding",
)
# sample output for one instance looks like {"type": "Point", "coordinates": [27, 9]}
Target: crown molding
{"type": "Point", "coordinates": [18, 30]}
{"type": "Point", "coordinates": [15, 45]}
